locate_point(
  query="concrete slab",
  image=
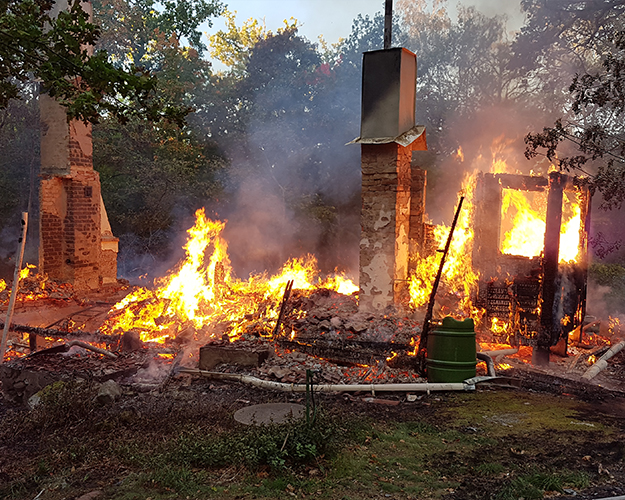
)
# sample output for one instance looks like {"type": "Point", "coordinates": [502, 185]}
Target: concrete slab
{"type": "Point", "coordinates": [270, 413]}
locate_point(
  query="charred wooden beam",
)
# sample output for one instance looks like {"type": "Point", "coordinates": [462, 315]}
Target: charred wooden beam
{"type": "Point", "coordinates": [61, 334]}
{"type": "Point", "coordinates": [521, 182]}
{"type": "Point", "coordinates": [285, 298]}
{"type": "Point", "coordinates": [548, 333]}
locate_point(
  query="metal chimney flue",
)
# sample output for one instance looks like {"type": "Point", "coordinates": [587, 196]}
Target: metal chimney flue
{"type": "Point", "coordinates": [388, 24]}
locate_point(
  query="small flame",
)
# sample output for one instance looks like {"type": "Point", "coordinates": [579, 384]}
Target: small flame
{"type": "Point", "coordinates": [592, 360]}
{"type": "Point", "coordinates": [24, 273]}
{"type": "Point", "coordinates": [460, 153]}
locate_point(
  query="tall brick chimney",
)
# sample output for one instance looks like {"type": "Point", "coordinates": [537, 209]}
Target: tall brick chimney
{"type": "Point", "coordinates": [388, 137]}
{"type": "Point", "coordinates": [76, 243]}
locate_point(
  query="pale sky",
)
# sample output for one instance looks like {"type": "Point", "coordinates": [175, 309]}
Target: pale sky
{"type": "Point", "coordinates": [333, 18]}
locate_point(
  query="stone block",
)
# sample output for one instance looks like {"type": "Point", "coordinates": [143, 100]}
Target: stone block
{"type": "Point", "coordinates": [212, 355]}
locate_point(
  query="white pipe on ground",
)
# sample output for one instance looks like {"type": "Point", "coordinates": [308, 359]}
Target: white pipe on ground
{"type": "Point", "coordinates": [501, 353]}
{"type": "Point", "coordinates": [281, 386]}
{"type": "Point", "coordinates": [602, 363]}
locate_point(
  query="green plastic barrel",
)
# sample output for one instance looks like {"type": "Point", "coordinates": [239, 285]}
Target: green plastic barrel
{"type": "Point", "coordinates": [451, 351]}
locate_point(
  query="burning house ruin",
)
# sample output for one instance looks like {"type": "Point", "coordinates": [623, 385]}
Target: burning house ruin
{"type": "Point", "coordinates": [517, 262]}
{"type": "Point", "coordinates": [535, 295]}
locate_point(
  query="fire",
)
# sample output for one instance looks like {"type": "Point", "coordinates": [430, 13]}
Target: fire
{"type": "Point", "coordinates": [458, 273]}
{"type": "Point", "coordinates": [592, 359]}
{"type": "Point", "coordinates": [498, 326]}
{"type": "Point", "coordinates": [527, 235]}
{"type": "Point", "coordinates": [569, 234]}
{"type": "Point", "coordinates": [3, 285]}
{"type": "Point", "coordinates": [526, 213]}
{"type": "Point", "coordinates": [460, 153]}
{"type": "Point", "coordinates": [24, 273]}
{"type": "Point", "coordinates": [203, 294]}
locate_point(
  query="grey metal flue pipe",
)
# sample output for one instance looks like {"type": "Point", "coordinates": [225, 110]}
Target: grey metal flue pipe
{"type": "Point", "coordinates": [388, 24]}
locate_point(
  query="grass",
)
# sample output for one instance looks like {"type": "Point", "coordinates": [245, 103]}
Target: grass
{"type": "Point", "coordinates": [506, 443]}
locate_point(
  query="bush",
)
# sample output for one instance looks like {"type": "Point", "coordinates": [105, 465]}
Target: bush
{"type": "Point", "coordinates": [292, 444]}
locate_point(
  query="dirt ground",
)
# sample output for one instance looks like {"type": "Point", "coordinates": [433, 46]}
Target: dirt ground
{"type": "Point", "coordinates": [532, 433]}
{"type": "Point", "coordinates": [477, 444]}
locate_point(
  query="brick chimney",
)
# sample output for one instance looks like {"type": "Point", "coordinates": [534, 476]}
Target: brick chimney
{"type": "Point", "coordinates": [76, 244]}
{"type": "Point", "coordinates": [388, 137]}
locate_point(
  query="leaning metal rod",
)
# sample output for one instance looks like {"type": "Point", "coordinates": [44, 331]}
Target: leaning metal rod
{"type": "Point", "coordinates": [428, 315]}
{"type": "Point", "coordinates": [16, 281]}
{"type": "Point", "coordinates": [285, 298]}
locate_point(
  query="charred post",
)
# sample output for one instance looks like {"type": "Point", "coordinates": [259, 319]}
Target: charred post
{"type": "Point", "coordinates": [548, 332]}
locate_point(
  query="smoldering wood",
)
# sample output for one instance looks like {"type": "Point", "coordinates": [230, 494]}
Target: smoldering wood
{"type": "Point", "coordinates": [352, 352]}
{"type": "Point", "coordinates": [521, 182]}
{"type": "Point", "coordinates": [67, 346]}
{"type": "Point", "coordinates": [62, 334]}
{"type": "Point", "coordinates": [285, 298]}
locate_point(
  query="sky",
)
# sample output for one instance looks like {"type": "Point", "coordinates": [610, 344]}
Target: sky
{"type": "Point", "coordinates": [333, 18]}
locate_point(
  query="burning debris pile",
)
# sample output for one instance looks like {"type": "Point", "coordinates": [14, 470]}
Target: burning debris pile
{"type": "Point", "coordinates": [36, 287]}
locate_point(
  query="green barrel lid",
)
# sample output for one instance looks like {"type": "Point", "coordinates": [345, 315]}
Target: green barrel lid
{"type": "Point", "coordinates": [450, 323]}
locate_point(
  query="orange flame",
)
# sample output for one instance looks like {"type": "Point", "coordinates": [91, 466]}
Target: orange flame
{"type": "Point", "coordinates": [204, 294]}
{"type": "Point", "coordinates": [458, 272]}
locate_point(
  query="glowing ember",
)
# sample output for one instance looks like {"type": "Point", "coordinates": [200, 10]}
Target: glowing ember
{"type": "Point", "coordinates": [592, 360]}
{"type": "Point", "coordinates": [203, 293]}
{"type": "Point", "coordinates": [503, 366]}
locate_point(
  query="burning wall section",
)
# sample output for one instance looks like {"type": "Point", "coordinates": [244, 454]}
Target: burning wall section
{"type": "Point", "coordinates": [533, 289]}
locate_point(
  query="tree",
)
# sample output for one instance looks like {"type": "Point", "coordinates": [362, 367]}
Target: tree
{"type": "Point", "coordinates": [129, 28]}
{"type": "Point", "coordinates": [232, 47]}
{"type": "Point", "coordinates": [598, 133]}
{"type": "Point", "coordinates": [53, 50]}
{"type": "Point", "coordinates": [154, 175]}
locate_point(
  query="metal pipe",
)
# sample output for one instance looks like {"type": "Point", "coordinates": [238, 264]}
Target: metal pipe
{"type": "Point", "coordinates": [500, 353]}
{"type": "Point", "coordinates": [490, 365]}
{"type": "Point", "coordinates": [388, 24]}
{"type": "Point", "coordinates": [15, 288]}
{"type": "Point", "coordinates": [281, 386]}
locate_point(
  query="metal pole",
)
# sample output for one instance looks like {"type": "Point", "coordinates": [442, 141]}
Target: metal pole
{"type": "Point", "coordinates": [16, 280]}
{"type": "Point", "coordinates": [428, 315]}
{"type": "Point", "coordinates": [388, 24]}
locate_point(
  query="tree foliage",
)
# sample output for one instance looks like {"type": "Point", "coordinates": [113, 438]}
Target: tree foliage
{"type": "Point", "coordinates": [598, 106]}
{"type": "Point", "coordinates": [129, 28]}
{"type": "Point", "coordinates": [34, 44]}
